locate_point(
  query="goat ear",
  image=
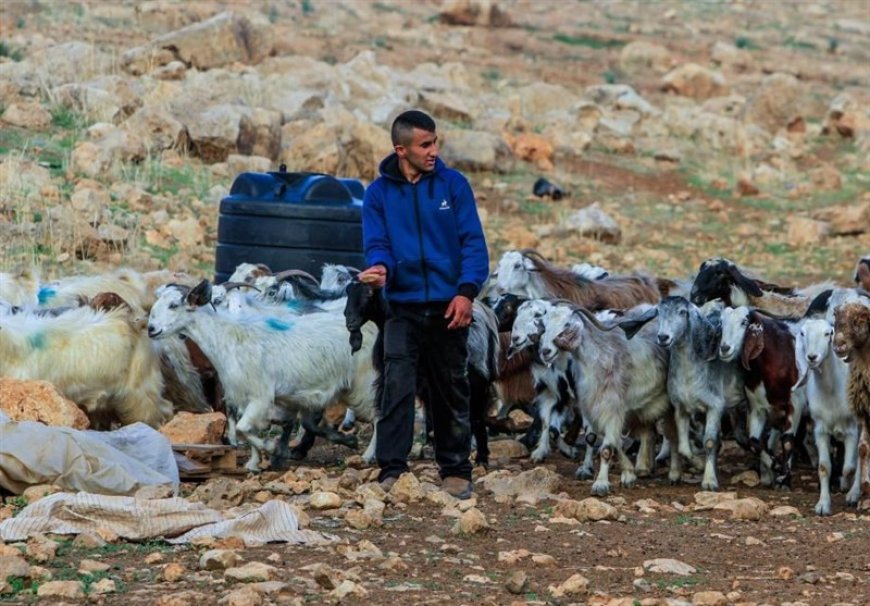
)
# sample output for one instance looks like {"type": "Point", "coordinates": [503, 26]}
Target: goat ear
{"type": "Point", "coordinates": [753, 344]}
{"type": "Point", "coordinates": [862, 274]}
{"type": "Point", "coordinates": [748, 286]}
{"type": "Point", "coordinates": [569, 338]}
{"type": "Point", "coordinates": [632, 327]}
{"type": "Point", "coordinates": [707, 347]}
{"type": "Point", "coordinates": [800, 359]}
{"type": "Point", "coordinates": [200, 294]}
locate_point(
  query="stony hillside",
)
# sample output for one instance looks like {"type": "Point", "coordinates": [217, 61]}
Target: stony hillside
{"type": "Point", "coordinates": [690, 129]}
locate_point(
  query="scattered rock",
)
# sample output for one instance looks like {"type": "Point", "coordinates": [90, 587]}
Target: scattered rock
{"type": "Point", "coordinates": [695, 81]}
{"type": "Point", "coordinates": [594, 222]}
{"type": "Point", "coordinates": [534, 484]}
{"type": "Point", "coordinates": [471, 522]}
{"type": "Point", "coordinates": [803, 231]}
{"type": "Point", "coordinates": [669, 566]}
{"type": "Point", "coordinates": [510, 449]}
{"type": "Point", "coordinates": [642, 57]}
{"type": "Point", "coordinates": [785, 510]}
{"type": "Point", "coordinates": [23, 400]}
{"type": "Point", "coordinates": [747, 478]}
{"type": "Point", "coordinates": [749, 508]}
{"type": "Point", "coordinates": [325, 500]}
{"type": "Point", "coordinates": [576, 584]}
{"type": "Point", "coordinates": [251, 572]}
{"type": "Point", "coordinates": [516, 582]}
{"type": "Point", "coordinates": [589, 509]}
{"type": "Point", "coordinates": [61, 589]}
{"type": "Point", "coordinates": [709, 598]}
{"type": "Point", "coordinates": [219, 559]}
{"type": "Point", "coordinates": [174, 572]}
{"type": "Point", "coordinates": [407, 489]}
{"type": "Point", "coordinates": [486, 13]}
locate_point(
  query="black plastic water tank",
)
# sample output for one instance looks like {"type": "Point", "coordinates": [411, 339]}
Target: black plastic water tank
{"type": "Point", "coordinates": [289, 221]}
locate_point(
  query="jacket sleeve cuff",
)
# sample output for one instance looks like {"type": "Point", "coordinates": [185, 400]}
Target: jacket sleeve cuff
{"type": "Point", "coordinates": [468, 290]}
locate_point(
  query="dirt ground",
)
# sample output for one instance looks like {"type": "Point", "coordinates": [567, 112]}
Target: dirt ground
{"type": "Point", "coordinates": [796, 558]}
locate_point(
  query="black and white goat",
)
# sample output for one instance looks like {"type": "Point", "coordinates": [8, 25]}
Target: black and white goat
{"type": "Point", "coordinates": [719, 278]}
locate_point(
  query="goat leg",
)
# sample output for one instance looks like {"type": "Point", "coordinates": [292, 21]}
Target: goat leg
{"type": "Point", "coordinates": [823, 507]}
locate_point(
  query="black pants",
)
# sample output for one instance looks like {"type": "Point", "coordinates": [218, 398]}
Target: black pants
{"type": "Point", "coordinates": [419, 348]}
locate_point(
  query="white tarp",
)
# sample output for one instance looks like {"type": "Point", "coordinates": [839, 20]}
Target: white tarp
{"type": "Point", "coordinates": [112, 462]}
{"type": "Point", "coordinates": [175, 519]}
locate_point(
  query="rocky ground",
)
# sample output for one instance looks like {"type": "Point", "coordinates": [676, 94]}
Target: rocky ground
{"type": "Point", "coordinates": [698, 129]}
{"type": "Point", "coordinates": [530, 535]}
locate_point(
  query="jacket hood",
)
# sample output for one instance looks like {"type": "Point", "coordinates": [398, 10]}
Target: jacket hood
{"type": "Point", "coordinates": [389, 168]}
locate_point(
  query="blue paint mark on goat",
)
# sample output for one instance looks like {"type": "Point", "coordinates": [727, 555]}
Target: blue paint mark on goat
{"type": "Point", "coordinates": [46, 294]}
{"type": "Point", "coordinates": [276, 324]}
{"type": "Point", "coordinates": [37, 340]}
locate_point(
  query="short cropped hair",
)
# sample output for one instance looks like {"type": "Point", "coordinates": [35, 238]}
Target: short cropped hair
{"type": "Point", "coordinates": [406, 122]}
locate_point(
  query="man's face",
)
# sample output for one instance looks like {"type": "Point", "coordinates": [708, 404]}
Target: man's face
{"type": "Point", "coordinates": [421, 152]}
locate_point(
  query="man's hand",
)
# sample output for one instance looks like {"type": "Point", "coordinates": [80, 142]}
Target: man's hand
{"type": "Point", "coordinates": [376, 276]}
{"type": "Point", "coordinates": [459, 312]}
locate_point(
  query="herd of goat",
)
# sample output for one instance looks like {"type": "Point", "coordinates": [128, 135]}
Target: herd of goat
{"type": "Point", "coordinates": [602, 362]}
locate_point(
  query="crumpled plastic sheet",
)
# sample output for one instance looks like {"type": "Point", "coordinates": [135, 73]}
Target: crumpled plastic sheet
{"type": "Point", "coordinates": [175, 519]}
{"type": "Point", "coordinates": [102, 462]}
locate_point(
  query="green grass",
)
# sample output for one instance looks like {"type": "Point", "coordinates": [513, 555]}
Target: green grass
{"type": "Point", "coordinates": [678, 582]}
{"type": "Point", "coordinates": [64, 118]}
{"type": "Point", "coordinates": [589, 41]}
{"type": "Point", "coordinates": [792, 42]}
{"type": "Point", "coordinates": [163, 255]}
{"type": "Point", "coordinates": [745, 43]}
{"type": "Point", "coordinates": [16, 54]}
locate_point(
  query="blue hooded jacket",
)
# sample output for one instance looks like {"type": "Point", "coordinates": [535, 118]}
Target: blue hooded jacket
{"type": "Point", "coordinates": [427, 234]}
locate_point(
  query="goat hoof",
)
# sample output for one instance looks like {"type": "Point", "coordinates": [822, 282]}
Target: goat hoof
{"type": "Point", "coordinates": [297, 454]}
{"type": "Point", "coordinates": [600, 489]}
{"type": "Point", "coordinates": [710, 486]}
{"type": "Point", "coordinates": [823, 509]}
{"type": "Point", "coordinates": [583, 474]}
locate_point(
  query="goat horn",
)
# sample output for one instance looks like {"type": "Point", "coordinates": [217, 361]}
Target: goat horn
{"type": "Point", "coordinates": [595, 321]}
{"type": "Point", "coordinates": [353, 269]}
{"type": "Point", "coordinates": [233, 285]}
{"type": "Point", "coordinates": [280, 277]}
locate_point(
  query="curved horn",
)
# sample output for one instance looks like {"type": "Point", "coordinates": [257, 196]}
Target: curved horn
{"type": "Point", "coordinates": [353, 269]}
{"type": "Point", "coordinates": [281, 276]}
{"type": "Point", "coordinates": [228, 286]}
{"type": "Point", "coordinates": [595, 321]}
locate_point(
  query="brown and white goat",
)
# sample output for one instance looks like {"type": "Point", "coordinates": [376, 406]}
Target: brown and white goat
{"type": "Point", "coordinates": [766, 348]}
{"type": "Point", "coordinates": [852, 344]}
{"type": "Point", "coordinates": [527, 274]}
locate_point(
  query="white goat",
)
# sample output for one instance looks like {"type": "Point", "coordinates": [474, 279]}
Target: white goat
{"type": "Point", "coordinates": [19, 287]}
{"type": "Point", "coordinates": [101, 360]}
{"type": "Point", "coordinates": [618, 384]}
{"type": "Point", "coordinates": [826, 378]}
{"type": "Point", "coordinates": [300, 364]}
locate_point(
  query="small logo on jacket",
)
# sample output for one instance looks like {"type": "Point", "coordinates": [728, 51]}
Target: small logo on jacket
{"type": "Point", "coordinates": [444, 205]}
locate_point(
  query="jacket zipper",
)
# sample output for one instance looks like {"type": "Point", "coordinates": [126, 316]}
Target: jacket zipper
{"type": "Point", "coordinates": [420, 240]}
